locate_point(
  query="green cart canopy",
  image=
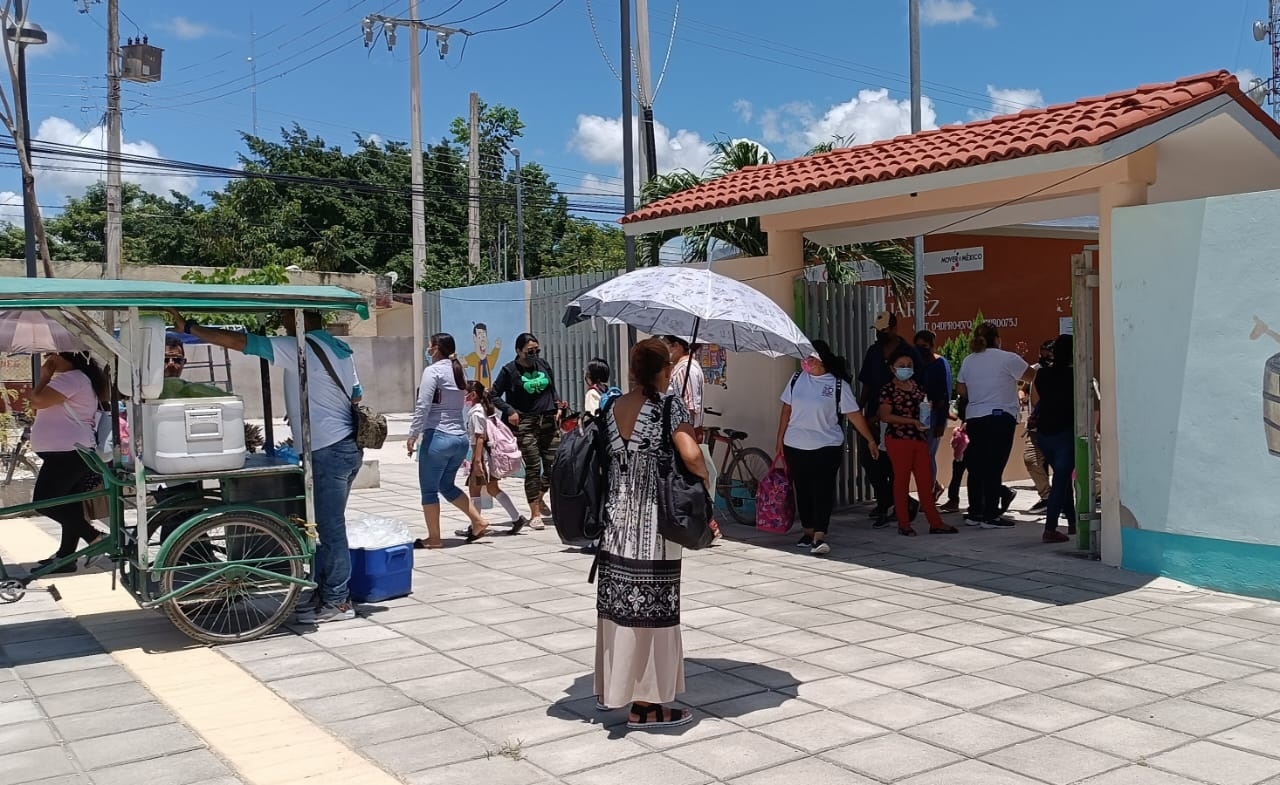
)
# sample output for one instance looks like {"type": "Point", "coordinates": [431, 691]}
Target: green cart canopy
{"type": "Point", "coordinates": [97, 294]}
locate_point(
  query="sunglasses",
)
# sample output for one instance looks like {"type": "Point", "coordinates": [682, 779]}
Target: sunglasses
{"type": "Point", "coordinates": [175, 360]}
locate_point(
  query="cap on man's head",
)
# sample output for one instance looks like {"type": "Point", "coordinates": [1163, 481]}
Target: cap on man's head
{"type": "Point", "coordinates": [885, 320]}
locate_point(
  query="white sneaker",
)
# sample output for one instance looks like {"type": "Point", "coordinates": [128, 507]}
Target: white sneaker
{"type": "Point", "coordinates": [820, 548]}
{"type": "Point", "coordinates": [537, 525]}
{"type": "Point", "coordinates": [972, 521]}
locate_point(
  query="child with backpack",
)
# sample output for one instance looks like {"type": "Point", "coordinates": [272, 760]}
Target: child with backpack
{"type": "Point", "coordinates": [494, 452]}
{"type": "Point", "coordinates": [598, 389]}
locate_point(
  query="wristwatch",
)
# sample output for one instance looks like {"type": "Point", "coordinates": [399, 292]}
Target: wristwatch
{"type": "Point", "coordinates": [187, 324]}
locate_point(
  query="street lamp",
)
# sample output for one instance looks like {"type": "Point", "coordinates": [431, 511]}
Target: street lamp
{"type": "Point", "coordinates": [24, 33]}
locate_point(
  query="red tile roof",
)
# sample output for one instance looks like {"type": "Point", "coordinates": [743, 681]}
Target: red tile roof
{"type": "Point", "coordinates": [1085, 123]}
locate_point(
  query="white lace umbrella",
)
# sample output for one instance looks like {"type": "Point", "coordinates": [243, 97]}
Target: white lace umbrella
{"type": "Point", "coordinates": [695, 304]}
{"type": "Point", "coordinates": [32, 332]}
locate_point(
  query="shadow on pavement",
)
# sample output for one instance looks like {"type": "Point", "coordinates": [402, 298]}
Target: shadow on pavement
{"type": "Point", "coordinates": [714, 687]}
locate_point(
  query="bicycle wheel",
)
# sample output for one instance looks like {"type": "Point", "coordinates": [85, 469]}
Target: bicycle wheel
{"type": "Point", "coordinates": [238, 604]}
{"type": "Point", "coordinates": [738, 485]}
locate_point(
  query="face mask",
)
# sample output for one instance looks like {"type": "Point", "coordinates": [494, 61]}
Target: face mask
{"type": "Point", "coordinates": [925, 351]}
{"type": "Point", "coordinates": [904, 373]}
{"type": "Point", "coordinates": [807, 365]}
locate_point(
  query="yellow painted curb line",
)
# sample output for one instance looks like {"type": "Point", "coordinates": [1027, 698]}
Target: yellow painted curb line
{"type": "Point", "coordinates": [265, 739]}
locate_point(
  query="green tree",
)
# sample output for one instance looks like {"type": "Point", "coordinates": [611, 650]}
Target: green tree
{"type": "Point", "coordinates": [12, 242]}
{"type": "Point", "coordinates": [155, 230]}
{"type": "Point", "coordinates": [745, 236]}
{"type": "Point", "coordinates": [271, 275]}
{"type": "Point", "coordinates": [956, 348]}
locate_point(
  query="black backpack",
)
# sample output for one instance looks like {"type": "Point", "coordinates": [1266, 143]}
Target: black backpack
{"type": "Point", "coordinates": [580, 480]}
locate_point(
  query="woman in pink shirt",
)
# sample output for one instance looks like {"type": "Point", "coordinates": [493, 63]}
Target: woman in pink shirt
{"type": "Point", "coordinates": [66, 401]}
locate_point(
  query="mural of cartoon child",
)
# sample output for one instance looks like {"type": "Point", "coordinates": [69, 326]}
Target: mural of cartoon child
{"type": "Point", "coordinates": [481, 362]}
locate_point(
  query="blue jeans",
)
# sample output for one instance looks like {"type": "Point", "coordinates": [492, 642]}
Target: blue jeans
{"type": "Point", "coordinates": [1060, 458]}
{"type": "Point", "coordinates": [440, 457]}
{"type": "Point", "coordinates": [334, 469]}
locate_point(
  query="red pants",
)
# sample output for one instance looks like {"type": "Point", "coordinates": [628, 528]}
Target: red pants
{"type": "Point", "coordinates": [910, 457]}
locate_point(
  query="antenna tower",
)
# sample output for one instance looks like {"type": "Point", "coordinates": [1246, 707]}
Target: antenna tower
{"type": "Point", "coordinates": [1268, 91]}
{"type": "Point", "coordinates": [253, 72]}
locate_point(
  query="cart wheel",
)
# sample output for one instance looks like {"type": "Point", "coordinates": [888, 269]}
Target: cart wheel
{"type": "Point", "coordinates": [237, 605]}
{"type": "Point", "coordinates": [12, 591]}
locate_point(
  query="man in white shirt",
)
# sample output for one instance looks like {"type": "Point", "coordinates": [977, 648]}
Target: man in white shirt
{"type": "Point", "coordinates": [687, 369]}
{"type": "Point", "coordinates": [335, 458]}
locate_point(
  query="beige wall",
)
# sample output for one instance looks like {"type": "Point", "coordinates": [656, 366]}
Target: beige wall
{"type": "Point", "coordinates": [381, 364]}
{"type": "Point", "coordinates": [750, 402]}
{"type": "Point", "coordinates": [362, 284]}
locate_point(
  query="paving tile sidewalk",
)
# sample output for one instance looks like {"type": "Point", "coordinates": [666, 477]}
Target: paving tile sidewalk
{"type": "Point", "coordinates": [71, 715]}
{"type": "Point", "coordinates": [984, 657]}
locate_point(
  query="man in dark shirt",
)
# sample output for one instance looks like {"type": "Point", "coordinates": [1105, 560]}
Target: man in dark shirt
{"type": "Point", "coordinates": [937, 386]}
{"type": "Point", "coordinates": [874, 374]}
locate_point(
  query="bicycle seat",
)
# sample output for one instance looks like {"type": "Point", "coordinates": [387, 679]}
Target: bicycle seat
{"type": "Point", "coordinates": [735, 435]}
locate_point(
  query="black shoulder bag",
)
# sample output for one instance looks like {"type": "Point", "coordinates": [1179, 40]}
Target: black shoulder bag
{"type": "Point", "coordinates": [370, 426]}
{"type": "Point", "coordinates": [684, 507]}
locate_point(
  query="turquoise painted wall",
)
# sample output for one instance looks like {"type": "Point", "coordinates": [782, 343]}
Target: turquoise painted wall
{"type": "Point", "coordinates": [1199, 489]}
{"type": "Point", "coordinates": [1237, 567]}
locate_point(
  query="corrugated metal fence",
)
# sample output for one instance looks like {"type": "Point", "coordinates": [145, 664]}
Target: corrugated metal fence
{"type": "Point", "coordinates": [842, 315]}
{"type": "Point", "coordinates": [568, 349]}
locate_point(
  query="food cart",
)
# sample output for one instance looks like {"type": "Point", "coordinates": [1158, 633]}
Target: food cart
{"type": "Point", "coordinates": [224, 552]}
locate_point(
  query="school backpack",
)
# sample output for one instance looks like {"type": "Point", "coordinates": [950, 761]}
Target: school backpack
{"type": "Point", "coordinates": [607, 397]}
{"type": "Point", "coordinates": [580, 479]}
{"type": "Point", "coordinates": [501, 448]}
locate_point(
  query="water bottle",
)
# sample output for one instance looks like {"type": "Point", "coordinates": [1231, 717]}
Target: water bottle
{"type": "Point", "coordinates": [926, 409]}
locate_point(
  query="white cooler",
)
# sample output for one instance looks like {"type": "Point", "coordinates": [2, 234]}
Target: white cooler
{"type": "Point", "coordinates": [193, 435]}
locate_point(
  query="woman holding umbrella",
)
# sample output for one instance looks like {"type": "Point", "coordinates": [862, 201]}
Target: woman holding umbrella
{"type": "Point", "coordinates": [528, 385]}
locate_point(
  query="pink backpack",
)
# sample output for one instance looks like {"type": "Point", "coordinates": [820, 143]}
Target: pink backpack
{"type": "Point", "coordinates": [502, 448]}
{"type": "Point", "coordinates": [775, 500]}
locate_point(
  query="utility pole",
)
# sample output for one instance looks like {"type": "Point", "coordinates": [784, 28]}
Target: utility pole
{"type": "Point", "coordinates": [519, 217]}
{"type": "Point", "coordinates": [417, 199]}
{"type": "Point", "coordinates": [644, 95]}
{"type": "Point", "coordinates": [473, 189]}
{"type": "Point", "coordinates": [918, 244]}
{"type": "Point", "coordinates": [628, 144]}
{"type": "Point", "coordinates": [28, 181]}
{"type": "Point", "coordinates": [253, 72]}
{"type": "Point", "coordinates": [114, 198]}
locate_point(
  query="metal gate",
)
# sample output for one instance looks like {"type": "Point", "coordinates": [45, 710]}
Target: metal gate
{"type": "Point", "coordinates": [842, 315]}
{"type": "Point", "coordinates": [569, 349]}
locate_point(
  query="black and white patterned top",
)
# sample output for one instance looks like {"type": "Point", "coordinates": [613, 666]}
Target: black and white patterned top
{"type": "Point", "coordinates": [639, 579]}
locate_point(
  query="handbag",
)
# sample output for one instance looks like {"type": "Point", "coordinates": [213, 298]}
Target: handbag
{"type": "Point", "coordinates": [775, 499]}
{"type": "Point", "coordinates": [370, 426]}
{"type": "Point", "coordinates": [684, 507]}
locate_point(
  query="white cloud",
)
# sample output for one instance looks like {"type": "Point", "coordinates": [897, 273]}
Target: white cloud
{"type": "Point", "coordinates": [1009, 101]}
{"type": "Point", "coordinates": [11, 208]}
{"type": "Point", "coordinates": [58, 183]}
{"type": "Point", "coordinates": [599, 140]}
{"type": "Point", "coordinates": [56, 45]}
{"type": "Point", "coordinates": [744, 109]}
{"type": "Point", "coordinates": [1245, 77]}
{"type": "Point", "coordinates": [188, 30]}
{"type": "Point", "coordinates": [943, 12]}
{"type": "Point", "coordinates": [870, 116]}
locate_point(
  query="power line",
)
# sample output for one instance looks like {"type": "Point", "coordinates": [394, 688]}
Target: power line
{"type": "Point", "coordinates": [537, 18]}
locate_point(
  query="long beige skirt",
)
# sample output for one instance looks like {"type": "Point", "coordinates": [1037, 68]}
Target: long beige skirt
{"type": "Point", "coordinates": [638, 664]}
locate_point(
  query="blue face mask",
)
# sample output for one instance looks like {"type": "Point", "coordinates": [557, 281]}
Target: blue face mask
{"type": "Point", "coordinates": [904, 373]}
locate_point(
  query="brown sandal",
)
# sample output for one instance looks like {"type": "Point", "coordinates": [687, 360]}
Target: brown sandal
{"type": "Point", "coordinates": [424, 545]}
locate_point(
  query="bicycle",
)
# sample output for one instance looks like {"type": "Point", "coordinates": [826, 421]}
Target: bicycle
{"type": "Point", "coordinates": [740, 472]}
{"type": "Point", "coordinates": [20, 455]}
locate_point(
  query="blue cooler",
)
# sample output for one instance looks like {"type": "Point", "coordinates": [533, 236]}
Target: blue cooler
{"type": "Point", "coordinates": [381, 573]}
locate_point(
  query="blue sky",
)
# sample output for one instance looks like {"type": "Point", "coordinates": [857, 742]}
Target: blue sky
{"type": "Point", "coordinates": [786, 74]}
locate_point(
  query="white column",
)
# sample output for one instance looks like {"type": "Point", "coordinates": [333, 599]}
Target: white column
{"type": "Point", "coordinates": [1123, 194]}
